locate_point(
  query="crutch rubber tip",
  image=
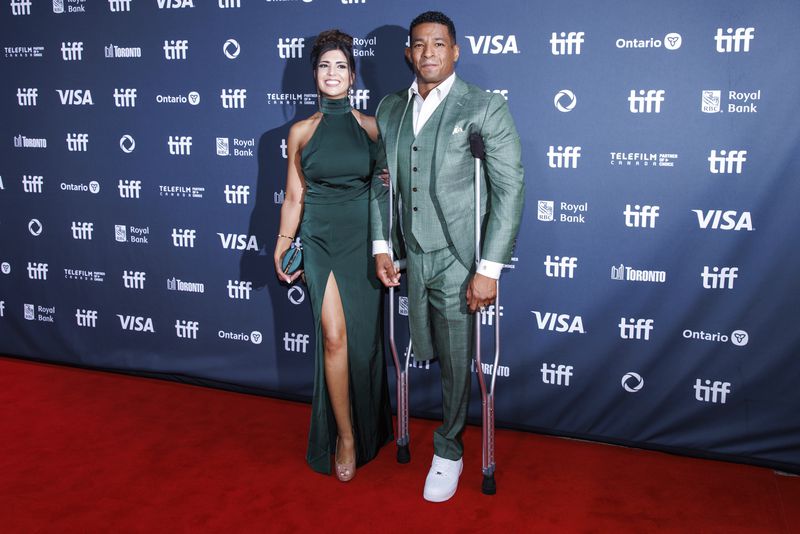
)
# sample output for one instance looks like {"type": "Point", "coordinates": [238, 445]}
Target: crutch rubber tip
{"type": "Point", "coordinates": [488, 486]}
{"type": "Point", "coordinates": [403, 454]}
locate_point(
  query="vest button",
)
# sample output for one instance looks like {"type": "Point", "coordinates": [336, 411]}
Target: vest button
{"type": "Point", "coordinates": [414, 189]}
{"type": "Point", "coordinates": [415, 208]}
{"type": "Point", "coordinates": [414, 169]}
{"type": "Point", "coordinates": [414, 149]}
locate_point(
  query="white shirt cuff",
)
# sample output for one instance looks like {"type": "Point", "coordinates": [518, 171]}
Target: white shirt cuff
{"type": "Point", "coordinates": [492, 269]}
{"type": "Point", "coordinates": [380, 247]}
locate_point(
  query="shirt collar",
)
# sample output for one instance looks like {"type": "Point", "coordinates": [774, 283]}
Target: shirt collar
{"type": "Point", "coordinates": [442, 90]}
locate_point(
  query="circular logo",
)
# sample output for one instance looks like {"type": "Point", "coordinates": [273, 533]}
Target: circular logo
{"type": "Point", "coordinates": [256, 337]}
{"type": "Point", "coordinates": [296, 295]}
{"type": "Point", "coordinates": [127, 143]}
{"type": "Point", "coordinates": [94, 187]}
{"type": "Point", "coordinates": [672, 41]}
{"type": "Point", "coordinates": [231, 48]}
{"type": "Point", "coordinates": [5, 267]}
{"type": "Point", "coordinates": [632, 382]}
{"type": "Point", "coordinates": [740, 338]}
{"type": "Point", "coordinates": [565, 100]}
{"type": "Point", "coordinates": [194, 98]}
{"type": "Point", "coordinates": [35, 227]}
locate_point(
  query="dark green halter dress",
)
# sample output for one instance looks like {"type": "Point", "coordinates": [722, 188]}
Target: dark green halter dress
{"type": "Point", "coordinates": [337, 165]}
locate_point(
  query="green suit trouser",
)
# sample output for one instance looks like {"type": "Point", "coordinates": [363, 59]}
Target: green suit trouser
{"type": "Point", "coordinates": [441, 326]}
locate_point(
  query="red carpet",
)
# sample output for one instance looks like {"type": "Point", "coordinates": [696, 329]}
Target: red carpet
{"type": "Point", "coordinates": [84, 451]}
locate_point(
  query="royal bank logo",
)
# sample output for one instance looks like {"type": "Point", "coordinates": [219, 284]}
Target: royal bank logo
{"type": "Point", "coordinates": [556, 374]}
{"type": "Point", "coordinates": [236, 194]}
{"type": "Point", "coordinates": [174, 4]}
{"type": "Point", "coordinates": [724, 220]}
{"type": "Point", "coordinates": [78, 142]}
{"type": "Point", "coordinates": [565, 101]}
{"type": "Point", "coordinates": [568, 212]}
{"type": "Point", "coordinates": [20, 7]}
{"type": "Point", "coordinates": [45, 314]}
{"type": "Point", "coordinates": [192, 98]}
{"type": "Point", "coordinates": [493, 44]}
{"type": "Point", "coordinates": [84, 275]}
{"type": "Point", "coordinates": [72, 50]}
{"type": "Point", "coordinates": [566, 43]}
{"type": "Point", "coordinates": [231, 48]}
{"type": "Point", "coordinates": [711, 101]}
{"type": "Point", "coordinates": [563, 157]}
{"type": "Point", "coordinates": [715, 392]}
{"type": "Point", "coordinates": [719, 277]}
{"type": "Point", "coordinates": [740, 338]}
{"type": "Point", "coordinates": [233, 98]}
{"type": "Point", "coordinates": [20, 141]}
{"type": "Point", "coordinates": [731, 40]}
{"type": "Point", "coordinates": [186, 329]}
{"type": "Point", "coordinates": [181, 191]}
{"type": "Point", "coordinates": [124, 97]}
{"type": "Point", "coordinates": [175, 49]}
{"type": "Point", "coordinates": [633, 328]}
{"type": "Point", "coordinates": [23, 51]}
{"type": "Point", "coordinates": [69, 6]}
{"type": "Point", "coordinates": [86, 318]}
{"type": "Point", "coordinates": [119, 6]}
{"type": "Point", "coordinates": [238, 241]}
{"type": "Point", "coordinates": [738, 101]}
{"type": "Point", "coordinates": [27, 96]}
{"type": "Point", "coordinates": [179, 145]}
{"type": "Point", "coordinates": [93, 187]}
{"type": "Point", "coordinates": [138, 234]}
{"type": "Point", "coordinates": [727, 161]}
{"type": "Point", "coordinates": [290, 47]}
{"type": "Point", "coordinates": [646, 100]}
{"type": "Point", "coordinates": [359, 98]}
{"type": "Point", "coordinates": [671, 41]}
{"type": "Point", "coordinates": [293, 342]}
{"type": "Point", "coordinates": [296, 295]}
{"type": "Point", "coordinates": [239, 289]}
{"type": "Point", "coordinates": [134, 323]}
{"type": "Point", "coordinates": [241, 147]}
{"type": "Point", "coordinates": [183, 237]}
{"type": "Point", "coordinates": [113, 51]}
{"type": "Point", "coordinates": [643, 159]}
{"type": "Point", "coordinates": [632, 382]}
{"type": "Point", "coordinates": [254, 337]}
{"type": "Point", "coordinates": [637, 216]}
{"type": "Point", "coordinates": [622, 272]}
{"type": "Point", "coordinates": [175, 284]}
{"type": "Point", "coordinates": [129, 188]}
{"type": "Point", "coordinates": [82, 230]}
{"type": "Point", "coordinates": [559, 322]}
{"type": "Point", "coordinates": [37, 270]}
{"type": "Point", "coordinates": [127, 143]}
{"type": "Point", "coordinates": [364, 47]}
{"type": "Point", "coordinates": [560, 266]}
{"type": "Point", "coordinates": [32, 184]}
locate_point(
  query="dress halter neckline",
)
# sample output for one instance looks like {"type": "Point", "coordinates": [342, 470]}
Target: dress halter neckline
{"type": "Point", "coordinates": [331, 106]}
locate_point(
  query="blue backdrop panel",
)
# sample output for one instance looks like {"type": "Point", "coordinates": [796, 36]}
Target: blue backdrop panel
{"type": "Point", "coordinates": [651, 295]}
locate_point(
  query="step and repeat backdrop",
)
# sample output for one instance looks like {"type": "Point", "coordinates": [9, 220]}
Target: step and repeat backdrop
{"type": "Point", "coordinates": [652, 297]}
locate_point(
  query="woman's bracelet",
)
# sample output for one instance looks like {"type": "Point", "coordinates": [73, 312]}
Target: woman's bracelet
{"type": "Point", "coordinates": [290, 238]}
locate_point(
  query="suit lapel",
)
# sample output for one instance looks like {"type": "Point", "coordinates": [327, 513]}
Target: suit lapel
{"type": "Point", "coordinates": [453, 106]}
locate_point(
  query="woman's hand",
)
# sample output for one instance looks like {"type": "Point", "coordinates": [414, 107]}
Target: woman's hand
{"type": "Point", "coordinates": [283, 277]}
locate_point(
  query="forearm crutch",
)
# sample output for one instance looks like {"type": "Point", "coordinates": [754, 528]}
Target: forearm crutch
{"type": "Point", "coordinates": [403, 453]}
{"type": "Point", "coordinates": [488, 486]}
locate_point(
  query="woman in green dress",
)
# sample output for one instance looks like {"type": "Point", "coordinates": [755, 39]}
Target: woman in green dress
{"type": "Point", "coordinates": [331, 158]}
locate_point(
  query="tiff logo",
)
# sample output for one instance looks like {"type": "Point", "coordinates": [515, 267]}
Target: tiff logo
{"type": "Point", "coordinates": [488, 313]}
{"type": "Point", "coordinates": [560, 267]}
{"type": "Point", "coordinates": [32, 184]}
{"type": "Point", "coordinates": [647, 101]}
{"type": "Point", "coordinates": [292, 48]}
{"type": "Point", "coordinates": [347, 2]}
{"type": "Point", "coordinates": [129, 188]}
{"type": "Point", "coordinates": [72, 50]}
{"type": "Point", "coordinates": [37, 271]}
{"type": "Point", "coordinates": [719, 277]}
{"type": "Point", "coordinates": [186, 329]}
{"type": "Point", "coordinates": [117, 6]}
{"type": "Point", "coordinates": [566, 43]}
{"type": "Point", "coordinates": [133, 279]}
{"type": "Point", "coordinates": [563, 157]}
{"type": "Point", "coordinates": [82, 230]}
{"type": "Point", "coordinates": [20, 7]}
{"type": "Point", "coordinates": [716, 392]}
{"type": "Point", "coordinates": [180, 145]}
{"type": "Point", "coordinates": [237, 194]}
{"type": "Point", "coordinates": [233, 98]}
{"type": "Point", "coordinates": [176, 49]}
{"type": "Point", "coordinates": [295, 342]}
{"type": "Point", "coordinates": [284, 146]}
{"type": "Point", "coordinates": [556, 375]}
{"type": "Point", "coordinates": [228, 4]}
{"type": "Point", "coordinates": [26, 96]}
{"type": "Point", "coordinates": [183, 237]}
{"type": "Point", "coordinates": [734, 40]}
{"type": "Point", "coordinates": [77, 142]}
{"type": "Point", "coordinates": [239, 289]}
{"type": "Point", "coordinates": [635, 328]}
{"type": "Point", "coordinates": [86, 318]}
{"type": "Point", "coordinates": [640, 216]}
{"type": "Point", "coordinates": [727, 162]}
{"type": "Point", "coordinates": [2, 308]}
{"type": "Point", "coordinates": [359, 98]}
{"type": "Point", "coordinates": [125, 98]}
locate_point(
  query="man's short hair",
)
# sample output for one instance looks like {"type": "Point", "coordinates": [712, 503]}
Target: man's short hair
{"type": "Point", "coordinates": [434, 16]}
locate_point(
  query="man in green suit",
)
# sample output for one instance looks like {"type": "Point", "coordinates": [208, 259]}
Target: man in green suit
{"type": "Point", "coordinates": [424, 138]}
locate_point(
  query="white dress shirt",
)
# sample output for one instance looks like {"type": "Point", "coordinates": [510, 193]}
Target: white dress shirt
{"type": "Point", "coordinates": [423, 109]}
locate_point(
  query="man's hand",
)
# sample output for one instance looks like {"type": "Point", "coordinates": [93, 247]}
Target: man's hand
{"type": "Point", "coordinates": [481, 291]}
{"type": "Point", "coordinates": [387, 273]}
{"type": "Point", "coordinates": [384, 176]}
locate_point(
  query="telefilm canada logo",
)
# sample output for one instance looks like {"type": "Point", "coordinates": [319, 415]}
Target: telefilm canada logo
{"type": "Point", "coordinates": [298, 99]}
{"type": "Point", "coordinates": [23, 51]}
{"type": "Point", "coordinates": [643, 159]}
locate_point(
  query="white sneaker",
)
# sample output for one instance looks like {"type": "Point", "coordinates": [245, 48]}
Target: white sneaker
{"type": "Point", "coordinates": [442, 480]}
